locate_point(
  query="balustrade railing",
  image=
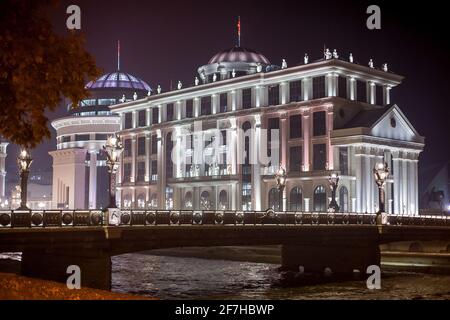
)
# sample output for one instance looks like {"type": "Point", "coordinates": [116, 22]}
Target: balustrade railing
{"type": "Point", "coordinates": [98, 218]}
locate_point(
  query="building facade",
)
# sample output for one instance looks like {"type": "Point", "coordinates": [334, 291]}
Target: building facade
{"type": "Point", "coordinates": [3, 146]}
{"type": "Point", "coordinates": [320, 117]}
{"type": "Point", "coordinates": [80, 177]}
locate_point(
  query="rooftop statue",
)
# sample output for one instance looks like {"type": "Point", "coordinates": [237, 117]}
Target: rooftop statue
{"type": "Point", "coordinates": [385, 67]}
{"type": "Point", "coordinates": [196, 81]}
{"type": "Point", "coordinates": [335, 54]}
{"type": "Point", "coordinates": [158, 89]}
{"type": "Point", "coordinates": [306, 59]}
{"type": "Point", "coordinates": [371, 63]}
{"type": "Point", "coordinates": [350, 58]}
{"type": "Point", "coordinates": [179, 85]}
{"type": "Point", "coordinates": [283, 64]}
{"type": "Point", "coordinates": [328, 54]}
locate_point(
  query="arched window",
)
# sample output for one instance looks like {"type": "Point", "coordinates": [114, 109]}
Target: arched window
{"type": "Point", "coordinates": [153, 203]}
{"type": "Point", "coordinates": [274, 199]}
{"type": "Point", "coordinates": [320, 199]}
{"type": "Point", "coordinates": [343, 199]}
{"type": "Point", "coordinates": [223, 200]}
{"type": "Point", "coordinates": [205, 201]}
{"type": "Point", "coordinates": [188, 200]}
{"type": "Point", "coordinates": [295, 199]}
{"type": "Point", "coordinates": [141, 201]}
{"type": "Point", "coordinates": [127, 202]}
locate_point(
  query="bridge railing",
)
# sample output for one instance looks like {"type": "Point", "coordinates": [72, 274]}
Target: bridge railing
{"type": "Point", "coordinates": [98, 218]}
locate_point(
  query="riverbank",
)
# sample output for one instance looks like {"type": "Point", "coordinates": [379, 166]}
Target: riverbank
{"type": "Point", "coordinates": [16, 287]}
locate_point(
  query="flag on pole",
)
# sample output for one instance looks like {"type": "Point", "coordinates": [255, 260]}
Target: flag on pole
{"type": "Point", "coordinates": [239, 30]}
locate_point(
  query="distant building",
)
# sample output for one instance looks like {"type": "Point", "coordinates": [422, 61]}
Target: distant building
{"type": "Point", "coordinates": [332, 115]}
{"type": "Point", "coordinates": [80, 178]}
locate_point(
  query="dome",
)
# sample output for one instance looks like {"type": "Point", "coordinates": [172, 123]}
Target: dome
{"type": "Point", "coordinates": [117, 80]}
{"type": "Point", "coordinates": [239, 54]}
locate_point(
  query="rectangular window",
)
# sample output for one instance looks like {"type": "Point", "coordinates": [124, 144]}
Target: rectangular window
{"type": "Point", "coordinates": [140, 171]}
{"type": "Point", "coordinates": [319, 123]}
{"type": "Point", "coordinates": [319, 156]}
{"type": "Point", "coordinates": [273, 124]}
{"type": "Point", "coordinates": [155, 115]}
{"type": "Point", "coordinates": [154, 146]}
{"type": "Point", "coordinates": [274, 95]}
{"type": "Point", "coordinates": [361, 91]}
{"type": "Point", "coordinates": [223, 102]}
{"type": "Point", "coordinates": [342, 87]}
{"type": "Point", "coordinates": [206, 106]}
{"type": "Point", "coordinates": [127, 148]}
{"type": "Point", "coordinates": [141, 146]}
{"type": "Point", "coordinates": [128, 120]}
{"type": "Point", "coordinates": [295, 126]}
{"type": "Point", "coordinates": [224, 137]}
{"type": "Point", "coordinates": [127, 172]}
{"type": "Point", "coordinates": [343, 160]}
{"type": "Point", "coordinates": [66, 139]}
{"type": "Point", "coordinates": [379, 95]}
{"type": "Point", "coordinates": [295, 159]}
{"type": "Point", "coordinates": [295, 91]}
{"type": "Point", "coordinates": [170, 111]}
{"type": "Point", "coordinates": [142, 118]}
{"type": "Point", "coordinates": [246, 98]}
{"type": "Point", "coordinates": [154, 169]}
{"type": "Point", "coordinates": [319, 87]}
{"type": "Point", "coordinates": [101, 136]}
{"type": "Point", "coordinates": [189, 108]}
{"type": "Point", "coordinates": [82, 137]}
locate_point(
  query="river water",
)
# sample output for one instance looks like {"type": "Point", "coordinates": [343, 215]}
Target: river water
{"type": "Point", "coordinates": [192, 278]}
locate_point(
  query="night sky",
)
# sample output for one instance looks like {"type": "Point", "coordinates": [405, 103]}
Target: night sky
{"type": "Point", "coordinates": [168, 40]}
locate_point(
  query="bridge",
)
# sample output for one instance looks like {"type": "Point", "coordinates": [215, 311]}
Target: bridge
{"type": "Point", "coordinates": [52, 240]}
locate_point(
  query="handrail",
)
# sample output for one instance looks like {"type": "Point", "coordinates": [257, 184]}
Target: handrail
{"type": "Point", "coordinates": [137, 217]}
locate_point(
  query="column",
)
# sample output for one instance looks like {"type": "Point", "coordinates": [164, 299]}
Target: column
{"type": "Point", "coordinates": [133, 159]}
{"type": "Point", "coordinates": [330, 148]}
{"type": "Point", "coordinates": [372, 92]}
{"type": "Point", "coordinates": [284, 140]}
{"type": "Point", "coordinates": [405, 206]}
{"type": "Point", "coordinates": [161, 171]}
{"type": "Point", "coordinates": [412, 187]}
{"type": "Point", "coordinates": [306, 204]}
{"type": "Point", "coordinates": [214, 104]}
{"type": "Point", "coordinates": [387, 95]}
{"type": "Point", "coordinates": [397, 197]}
{"type": "Point", "coordinates": [256, 167]}
{"type": "Point", "coordinates": [352, 88]}
{"type": "Point", "coordinates": [134, 119]}
{"type": "Point", "coordinates": [306, 118]}
{"type": "Point", "coordinates": [93, 180]}
{"type": "Point", "coordinates": [147, 157]}
{"type": "Point", "coordinates": [284, 92]}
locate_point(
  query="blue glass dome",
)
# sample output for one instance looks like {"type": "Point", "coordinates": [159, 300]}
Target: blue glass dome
{"type": "Point", "coordinates": [116, 80]}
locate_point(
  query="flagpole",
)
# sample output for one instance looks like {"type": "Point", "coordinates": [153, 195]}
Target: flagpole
{"type": "Point", "coordinates": [118, 55]}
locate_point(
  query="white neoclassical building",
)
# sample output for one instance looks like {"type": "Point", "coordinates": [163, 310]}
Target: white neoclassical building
{"type": "Point", "coordinates": [330, 115]}
{"type": "Point", "coordinates": [80, 177]}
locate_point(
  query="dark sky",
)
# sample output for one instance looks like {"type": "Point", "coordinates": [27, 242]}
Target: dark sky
{"type": "Point", "coordinates": [167, 40]}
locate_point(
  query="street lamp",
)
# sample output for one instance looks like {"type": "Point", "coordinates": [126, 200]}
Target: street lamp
{"type": "Point", "coordinates": [280, 178]}
{"type": "Point", "coordinates": [381, 172]}
{"type": "Point", "coordinates": [113, 149]}
{"type": "Point", "coordinates": [334, 181]}
{"type": "Point", "coordinates": [24, 162]}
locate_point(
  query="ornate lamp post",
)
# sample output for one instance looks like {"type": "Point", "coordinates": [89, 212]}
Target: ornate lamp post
{"type": "Point", "coordinates": [24, 161]}
{"type": "Point", "coordinates": [334, 181]}
{"type": "Point", "coordinates": [381, 172]}
{"type": "Point", "coordinates": [280, 178]}
{"type": "Point", "coordinates": [113, 150]}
